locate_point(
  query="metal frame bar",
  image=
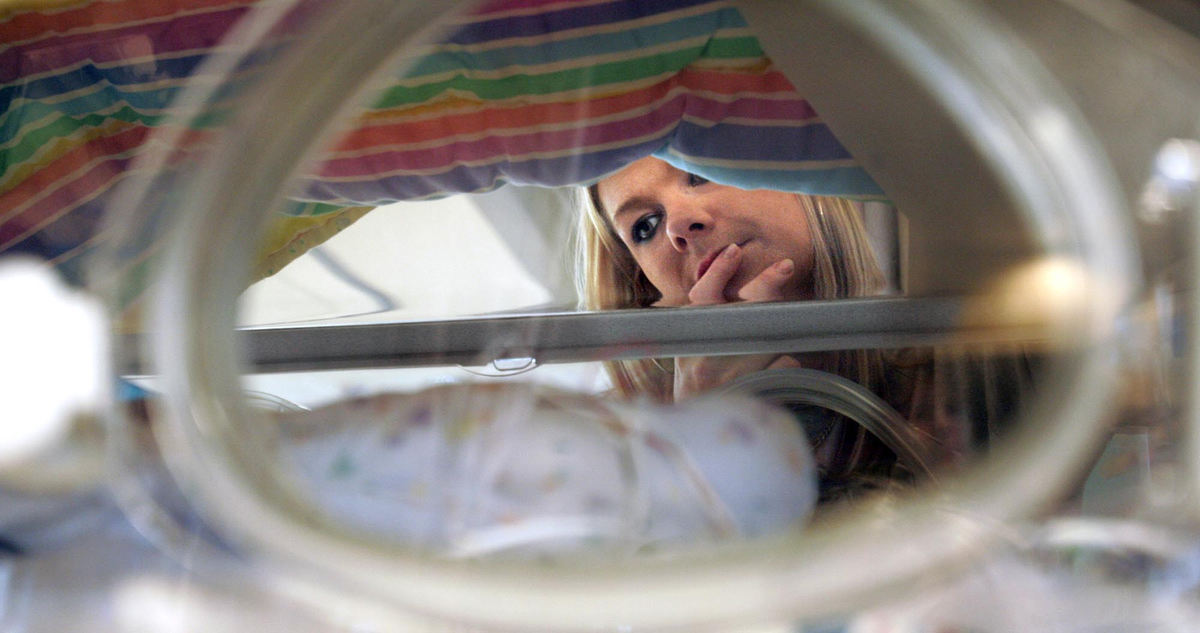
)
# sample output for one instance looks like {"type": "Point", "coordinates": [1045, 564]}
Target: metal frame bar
{"type": "Point", "coordinates": [875, 323]}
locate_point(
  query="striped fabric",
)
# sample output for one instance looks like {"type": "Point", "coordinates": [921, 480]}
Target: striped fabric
{"type": "Point", "coordinates": [546, 92]}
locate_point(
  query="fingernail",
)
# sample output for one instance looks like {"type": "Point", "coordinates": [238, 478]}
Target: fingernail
{"type": "Point", "coordinates": [730, 250]}
{"type": "Point", "coordinates": [785, 267]}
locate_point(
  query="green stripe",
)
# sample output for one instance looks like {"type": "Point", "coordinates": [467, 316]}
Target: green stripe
{"type": "Point", "coordinates": [733, 48]}
{"type": "Point", "coordinates": [611, 73]}
{"type": "Point", "coordinates": [533, 50]}
{"type": "Point", "coordinates": [310, 209]}
{"type": "Point", "coordinates": [64, 126]}
{"type": "Point", "coordinates": [548, 83]}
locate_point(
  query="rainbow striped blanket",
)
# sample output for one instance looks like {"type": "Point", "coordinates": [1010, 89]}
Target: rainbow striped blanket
{"type": "Point", "coordinates": [543, 92]}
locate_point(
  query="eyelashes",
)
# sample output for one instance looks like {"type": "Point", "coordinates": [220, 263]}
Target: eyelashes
{"type": "Point", "coordinates": [645, 227]}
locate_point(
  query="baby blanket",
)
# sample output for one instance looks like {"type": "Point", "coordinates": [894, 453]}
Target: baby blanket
{"type": "Point", "coordinates": [544, 92]}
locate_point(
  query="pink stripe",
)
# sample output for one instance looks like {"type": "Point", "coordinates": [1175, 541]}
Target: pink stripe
{"type": "Point", "coordinates": [26, 26]}
{"type": "Point", "coordinates": [519, 146]}
{"type": "Point", "coordinates": [736, 81]}
{"type": "Point", "coordinates": [794, 110]}
{"type": "Point", "coordinates": [62, 200]}
{"type": "Point", "coordinates": [532, 140]}
{"type": "Point", "coordinates": [189, 33]}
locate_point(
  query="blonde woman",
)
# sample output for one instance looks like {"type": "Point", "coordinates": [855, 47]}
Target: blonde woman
{"type": "Point", "coordinates": [653, 235]}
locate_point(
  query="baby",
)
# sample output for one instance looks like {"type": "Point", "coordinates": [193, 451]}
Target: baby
{"type": "Point", "coordinates": [515, 469]}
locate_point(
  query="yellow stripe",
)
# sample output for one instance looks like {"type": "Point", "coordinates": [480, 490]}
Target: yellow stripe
{"type": "Point", "coordinates": [9, 8]}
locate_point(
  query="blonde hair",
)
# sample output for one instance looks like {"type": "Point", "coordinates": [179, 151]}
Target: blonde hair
{"type": "Point", "coordinates": [843, 266]}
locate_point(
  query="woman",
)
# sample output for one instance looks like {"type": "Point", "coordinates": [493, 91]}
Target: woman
{"type": "Point", "coordinates": [654, 235]}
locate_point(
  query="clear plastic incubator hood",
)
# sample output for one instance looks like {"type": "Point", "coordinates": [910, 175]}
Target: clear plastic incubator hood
{"type": "Point", "coordinates": [612, 315]}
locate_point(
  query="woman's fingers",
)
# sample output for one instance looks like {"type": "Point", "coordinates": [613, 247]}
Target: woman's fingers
{"type": "Point", "coordinates": [769, 285]}
{"type": "Point", "coordinates": [785, 362]}
{"type": "Point", "coordinates": [710, 288]}
{"type": "Point", "coordinates": [695, 375]}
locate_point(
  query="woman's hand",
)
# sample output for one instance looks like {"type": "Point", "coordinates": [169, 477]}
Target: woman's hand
{"type": "Point", "coordinates": [713, 287]}
{"type": "Point", "coordinates": [694, 375]}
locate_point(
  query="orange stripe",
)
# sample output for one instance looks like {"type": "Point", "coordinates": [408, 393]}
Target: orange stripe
{"type": "Point", "coordinates": [514, 114]}
{"type": "Point", "coordinates": [497, 118]}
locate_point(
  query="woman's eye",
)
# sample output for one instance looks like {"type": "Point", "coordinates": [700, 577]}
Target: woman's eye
{"type": "Point", "coordinates": [645, 227]}
{"type": "Point", "coordinates": [695, 181]}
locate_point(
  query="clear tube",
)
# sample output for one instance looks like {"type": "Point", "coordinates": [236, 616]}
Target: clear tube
{"type": "Point", "coordinates": [810, 386]}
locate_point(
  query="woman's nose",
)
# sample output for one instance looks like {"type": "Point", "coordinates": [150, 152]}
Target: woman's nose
{"type": "Point", "coordinates": [685, 223]}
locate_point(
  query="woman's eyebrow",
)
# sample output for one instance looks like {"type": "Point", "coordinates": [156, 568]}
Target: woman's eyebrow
{"type": "Point", "coordinates": [633, 204]}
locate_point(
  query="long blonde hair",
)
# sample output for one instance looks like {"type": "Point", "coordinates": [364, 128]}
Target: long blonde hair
{"type": "Point", "coordinates": [844, 265]}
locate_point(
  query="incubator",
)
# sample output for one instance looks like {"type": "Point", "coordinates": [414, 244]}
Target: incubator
{"type": "Point", "coordinates": [347, 359]}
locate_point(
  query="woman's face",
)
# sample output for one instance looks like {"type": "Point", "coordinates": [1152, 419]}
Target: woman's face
{"type": "Point", "coordinates": [675, 225]}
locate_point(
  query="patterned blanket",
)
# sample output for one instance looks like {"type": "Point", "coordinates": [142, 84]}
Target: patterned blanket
{"type": "Point", "coordinates": [544, 92]}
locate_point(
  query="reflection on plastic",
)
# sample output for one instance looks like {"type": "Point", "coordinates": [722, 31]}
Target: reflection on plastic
{"type": "Point", "coordinates": [53, 365]}
{"type": "Point", "coordinates": [1084, 575]}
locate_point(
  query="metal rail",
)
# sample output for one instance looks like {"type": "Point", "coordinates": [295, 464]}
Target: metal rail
{"type": "Point", "coordinates": [620, 334]}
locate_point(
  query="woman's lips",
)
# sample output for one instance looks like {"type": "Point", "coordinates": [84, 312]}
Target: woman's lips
{"type": "Point", "coordinates": [707, 262]}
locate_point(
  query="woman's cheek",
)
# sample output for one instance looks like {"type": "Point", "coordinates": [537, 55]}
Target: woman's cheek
{"type": "Point", "coordinates": [671, 301]}
{"type": "Point", "coordinates": [670, 294]}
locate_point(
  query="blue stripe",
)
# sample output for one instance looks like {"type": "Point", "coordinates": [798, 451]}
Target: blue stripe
{"type": "Point", "coordinates": [64, 234]}
{"type": "Point", "coordinates": [580, 47]}
{"type": "Point", "coordinates": [127, 76]}
{"type": "Point", "coordinates": [845, 182]}
{"type": "Point", "coordinates": [750, 142]}
{"type": "Point", "coordinates": [150, 103]}
{"type": "Point", "coordinates": [564, 19]}
{"type": "Point", "coordinates": [88, 75]}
